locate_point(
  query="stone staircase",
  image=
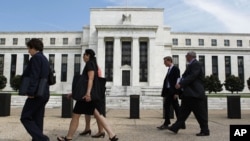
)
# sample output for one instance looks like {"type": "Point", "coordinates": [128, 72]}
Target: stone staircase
{"type": "Point", "coordinates": [119, 98]}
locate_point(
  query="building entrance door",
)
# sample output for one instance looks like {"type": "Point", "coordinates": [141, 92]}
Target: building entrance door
{"type": "Point", "coordinates": [125, 78]}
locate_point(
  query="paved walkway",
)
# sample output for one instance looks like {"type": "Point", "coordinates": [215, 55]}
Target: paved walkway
{"type": "Point", "coordinates": [143, 129]}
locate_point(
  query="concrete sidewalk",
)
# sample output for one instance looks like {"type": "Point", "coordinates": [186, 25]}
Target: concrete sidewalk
{"type": "Point", "coordinates": [143, 129]}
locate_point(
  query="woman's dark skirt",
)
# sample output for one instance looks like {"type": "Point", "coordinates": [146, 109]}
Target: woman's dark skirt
{"type": "Point", "coordinates": [87, 108]}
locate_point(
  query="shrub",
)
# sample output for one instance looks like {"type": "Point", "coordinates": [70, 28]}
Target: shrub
{"type": "Point", "coordinates": [212, 84]}
{"type": "Point", "coordinates": [248, 83]}
{"type": "Point", "coordinates": [15, 82]}
{"type": "Point", "coordinates": [234, 84]}
{"type": "Point", "coordinates": [3, 82]}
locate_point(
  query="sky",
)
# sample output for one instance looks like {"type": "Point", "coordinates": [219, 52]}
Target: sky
{"type": "Point", "coordinates": [223, 16]}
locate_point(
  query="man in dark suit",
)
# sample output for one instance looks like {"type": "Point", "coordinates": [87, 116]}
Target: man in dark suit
{"type": "Point", "coordinates": [193, 96]}
{"type": "Point", "coordinates": [169, 92]}
{"type": "Point", "coordinates": [32, 115]}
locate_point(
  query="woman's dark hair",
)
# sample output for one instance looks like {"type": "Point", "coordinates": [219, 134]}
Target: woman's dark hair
{"type": "Point", "coordinates": [35, 44]}
{"type": "Point", "coordinates": [91, 54]}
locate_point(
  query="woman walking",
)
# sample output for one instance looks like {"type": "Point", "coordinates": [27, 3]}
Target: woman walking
{"type": "Point", "coordinates": [88, 105]}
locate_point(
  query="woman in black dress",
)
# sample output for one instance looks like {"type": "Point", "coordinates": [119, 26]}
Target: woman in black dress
{"type": "Point", "coordinates": [87, 106]}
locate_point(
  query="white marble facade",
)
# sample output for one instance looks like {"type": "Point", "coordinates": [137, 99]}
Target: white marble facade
{"type": "Point", "coordinates": [132, 25]}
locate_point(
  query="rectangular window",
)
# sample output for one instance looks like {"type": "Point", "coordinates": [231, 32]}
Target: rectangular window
{"type": "Point", "coordinates": [27, 40]}
{"type": "Point", "coordinates": [1, 63]}
{"type": "Point", "coordinates": [126, 53]}
{"type": "Point", "coordinates": [143, 61]}
{"type": "Point", "coordinates": [215, 65]}
{"type": "Point", "coordinates": [239, 43]}
{"type": "Point", "coordinates": [109, 51]}
{"type": "Point", "coordinates": [13, 66]}
{"type": "Point", "coordinates": [52, 61]}
{"type": "Point", "coordinates": [77, 66]}
{"type": "Point", "coordinates": [65, 41]}
{"type": "Point", "coordinates": [202, 61]}
{"type": "Point", "coordinates": [226, 43]}
{"type": "Point", "coordinates": [176, 60]}
{"type": "Point", "coordinates": [52, 41]}
{"type": "Point", "coordinates": [188, 42]}
{"type": "Point", "coordinates": [64, 67]}
{"type": "Point", "coordinates": [227, 66]}
{"type": "Point", "coordinates": [78, 41]}
{"type": "Point", "coordinates": [241, 68]}
{"type": "Point", "coordinates": [175, 41]}
{"type": "Point", "coordinates": [213, 42]}
{"type": "Point", "coordinates": [25, 60]}
{"type": "Point", "coordinates": [201, 42]}
{"type": "Point", "coordinates": [2, 41]}
{"type": "Point", "coordinates": [15, 41]}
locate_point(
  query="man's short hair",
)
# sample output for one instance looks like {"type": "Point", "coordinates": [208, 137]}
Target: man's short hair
{"type": "Point", "coordinates": [168, 58]}
{"type": "Point", "coordinates": [192, 53]}
{"type": "Point", "coordinates": [36, 44]}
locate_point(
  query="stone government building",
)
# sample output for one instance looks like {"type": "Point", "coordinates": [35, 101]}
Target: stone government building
{"type": "Point", "coordinates": [130, 44]}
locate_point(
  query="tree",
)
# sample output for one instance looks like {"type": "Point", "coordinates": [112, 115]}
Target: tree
{"type": "Point", "coordinates": [212, 84]}
{"type": "Point", "coordinates": [248, 83]}
{"type": "Point", "coordinates": [3, 81]}
{"type": "Point", "coordinates": [234, 84]}
{"type": "Point", "coordinates": [15, 82]}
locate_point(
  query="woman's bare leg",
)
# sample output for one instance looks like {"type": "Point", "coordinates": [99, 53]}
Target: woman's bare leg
{"type": "Point", "coordinates": [103, 122]}
{"type": "Point", "coordinates": [73, 125]}
{"type": "Point", "coordinates": [87, 122]}
{"type": "Point", "coordinates": [100, 128]}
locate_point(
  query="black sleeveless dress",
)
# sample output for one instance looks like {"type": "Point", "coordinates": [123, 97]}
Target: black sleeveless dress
{"type": "Point", "coordinates": [83, 107]}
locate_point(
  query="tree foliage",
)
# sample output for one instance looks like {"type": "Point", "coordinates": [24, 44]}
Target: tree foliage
{"type": "Point", "coordinates": [213, 84]}
{"type": "Point", "coordinates": [3, 82]}
{"type": "Point", "coordinates": [15, 82]}
{"type": "Point", "coordinates": [234, 84]}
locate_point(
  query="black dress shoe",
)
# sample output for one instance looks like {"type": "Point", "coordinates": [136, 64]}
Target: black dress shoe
{"type": "Point", "coordinates": [162, 127]}
{"type": "Point", "coordinates": [98, 135]}
{"type": "Point", "coordinates": [202, 134]}
{"type": "Point", "coordinates": [183, 126]}
{"type": "Point", "coordinates": [84, 133]}
{"type": "Point", "coordinates": [172, 130]}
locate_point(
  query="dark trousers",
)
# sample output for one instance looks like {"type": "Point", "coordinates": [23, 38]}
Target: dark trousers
{"type": "Point", "coordinates": [32, 118]}
{"type": "Point", "coordinates": [168, 102]}
{"type": "Point", "coordinates": [198, 107]}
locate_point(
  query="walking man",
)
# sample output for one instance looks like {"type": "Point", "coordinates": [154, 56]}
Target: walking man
{"type": "Point", "coordinates": [193, 96]}
{"type": "Point", "coordinates": [169, 92]}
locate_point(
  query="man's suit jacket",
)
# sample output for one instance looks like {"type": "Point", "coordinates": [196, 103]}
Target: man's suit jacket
{"type": "Point", "coordinates": [192, 81]}
{"type": "Point", "coordinates": [172, 77]}
{"type": "Point", "coordinates": [38, 67]}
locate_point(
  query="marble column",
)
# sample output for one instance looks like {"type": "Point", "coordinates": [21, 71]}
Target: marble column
{"type": "Point", "coordinates": [19, 64]}
{"type": "Point", "coordinates": [135, 62]}
{"type": "Point", "coordinates": [101, 54]}
{"type": "Point", "coordinates": [117, 75]}
{"type": "Point", "coordinates": [6, 69]}
{"type": "Point", "coordinates": [151, 62]}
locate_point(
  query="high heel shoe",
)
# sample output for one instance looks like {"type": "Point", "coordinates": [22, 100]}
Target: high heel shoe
{"type": "Point", "coordinates": [114, 138]}
{"type": "Point", "coordinates": [85, 133]}
{"type": "Point", "coordinates": [63, 139]}
{"type": "Point", "coordinates": [98, 135]}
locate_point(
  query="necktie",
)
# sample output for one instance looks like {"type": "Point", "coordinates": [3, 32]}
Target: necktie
{"type": "Point", "coordinates": [167, 83]}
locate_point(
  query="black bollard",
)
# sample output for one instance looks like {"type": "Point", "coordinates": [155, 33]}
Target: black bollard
{"type": "Point", "coordinates": [134, 106]}
{"type": "Point", "coordinates": [5, 99]}
{"type": "Point", "coordinates": [67, 107]}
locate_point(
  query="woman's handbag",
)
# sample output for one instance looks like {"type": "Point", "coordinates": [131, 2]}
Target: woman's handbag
{"type": "Point", "coordinates": [79, 87]}
{"type": "Point", "coordinates": [80, 84]}
{"type": "Point", "coordinates": [25, 83]}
